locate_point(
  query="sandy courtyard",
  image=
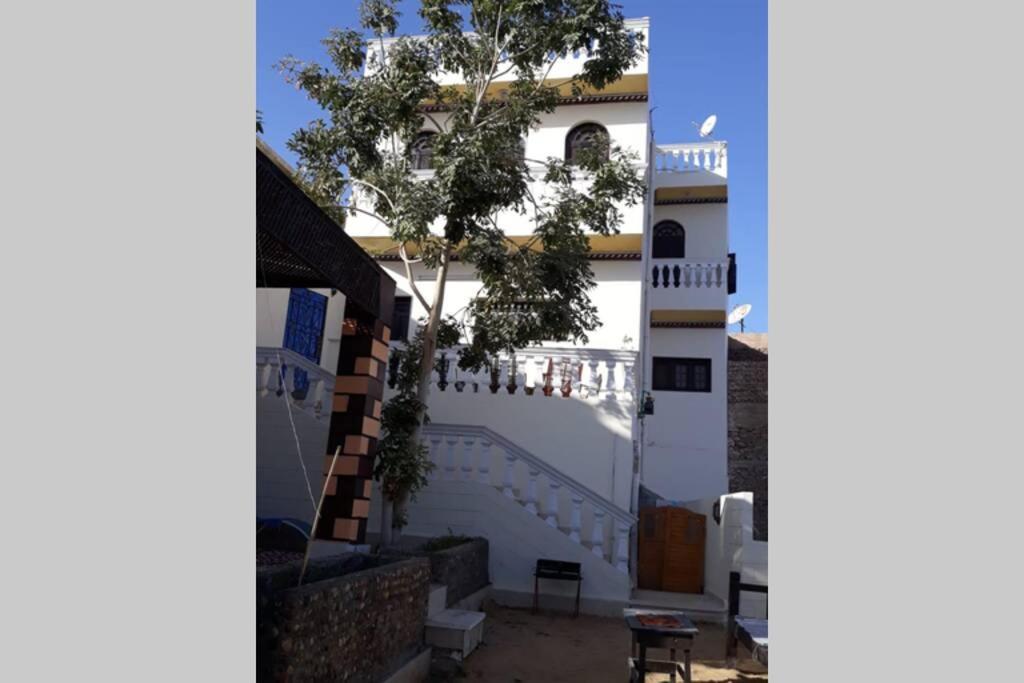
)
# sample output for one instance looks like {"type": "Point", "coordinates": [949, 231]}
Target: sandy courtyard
{"type": "Point", "coordinates": [520, 647]}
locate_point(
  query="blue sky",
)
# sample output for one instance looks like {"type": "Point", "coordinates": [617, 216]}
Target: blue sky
{"type": "Point", "coordinates": [707, 56]}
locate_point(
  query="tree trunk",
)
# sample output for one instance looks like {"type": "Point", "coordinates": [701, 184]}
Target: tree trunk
{"type": "Point", "coordinates": [388, 534]}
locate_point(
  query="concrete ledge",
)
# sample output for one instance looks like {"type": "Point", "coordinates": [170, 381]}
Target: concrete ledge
{"type": "Point", "coordinates": [416, 670]}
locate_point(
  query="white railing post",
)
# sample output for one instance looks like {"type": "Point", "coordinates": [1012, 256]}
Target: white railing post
{"type": "Point", "coordinates": [538, 380]}
{"type": "Point", "coordinates": [622, 547]}
{"type": "Point", "coordinates": [629, 379]}
{"type": "Point", "coordinates": [575, 521]}
{"type": "Point", "coordinates": [531, 490]}
{"type": "Point", "coordinates": [316, 396]}
{"type": "Point", "coordinates": [449, 466]}
{"type": "Point", "coordinates": [510, 464]}
{"type": "Point", "coordinates": [552, 516]}
{"type": "Point", "coordinates": [612, 383]}
{"type": "Point", "coordinates": [261, 375]}
{"type": "Point", "coordinates": [597, 535]}
{"type": "Point", "coordinates": [435, 456]}
{"type": "Point", "coordinates": [467, 457]}
{"type": "Point", "coordinates": [484, 471]}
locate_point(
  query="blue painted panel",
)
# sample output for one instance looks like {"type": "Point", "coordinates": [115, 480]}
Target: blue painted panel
{"type": "Point", "coordinates": [304, 330]}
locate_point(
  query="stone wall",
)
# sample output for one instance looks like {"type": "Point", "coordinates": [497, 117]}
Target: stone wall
{"type": "Point", "coordinates": [748, 423]}
{"type": "Point", "coordinates": [356, 618]}
{"type": "Point", "coordinates": [462, 569]}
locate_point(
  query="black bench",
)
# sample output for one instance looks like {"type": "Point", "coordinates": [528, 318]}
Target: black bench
{"type": "Point", "coordinates": [559, 571]}
{"type": "Point", "coordinates": [753, 633]}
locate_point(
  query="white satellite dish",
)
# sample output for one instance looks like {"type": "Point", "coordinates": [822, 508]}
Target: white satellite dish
{"type": "Point", "coordinates": [738, 314]}
{"type": "Point", "coordinates": [708, 126]}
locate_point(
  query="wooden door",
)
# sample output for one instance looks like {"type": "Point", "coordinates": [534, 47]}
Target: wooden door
{"type": "Point", "coordinates": [651, 548]}
{"type": "Point", "coordinates": [683, 568]}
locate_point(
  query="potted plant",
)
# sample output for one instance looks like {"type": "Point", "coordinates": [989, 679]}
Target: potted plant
{"type": "Point", "coordinates": [548, 387]}
{"type": "Point", "coordinates": [442, 371]}
{"type": "Point", "coordinates": [495, 376]}
{"type": "Point", "coordinates": [566, 379]}
{"type": "Point", "coordinates": [512, 367]}
{"type": "Point", "coordinates": [460, 384]}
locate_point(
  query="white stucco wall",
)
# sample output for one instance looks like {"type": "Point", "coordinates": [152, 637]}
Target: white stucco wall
{"type": "Point", "coordinates": [684, 453]}
{"type": "Point", "coordinates": [706, 225]}
{"type": "Point", "coordinates": [272, 311]}
{"type": "Point", "coordinates": [616, 296]}
{"type": "Point", "coordinates": [281, 489]}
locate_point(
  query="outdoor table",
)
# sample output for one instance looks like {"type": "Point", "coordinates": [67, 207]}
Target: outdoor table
{"type": "Point", "coordinates": [666, 635]}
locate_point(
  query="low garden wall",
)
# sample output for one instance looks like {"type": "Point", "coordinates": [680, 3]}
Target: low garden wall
{"type": "Point", "coordinates": [462, 568]}
{"type": "Point", "coordinates": [356, 618]}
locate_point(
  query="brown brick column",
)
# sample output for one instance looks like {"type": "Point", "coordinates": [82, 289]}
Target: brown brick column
{"type": "Point", "coordinates": [355, 426]}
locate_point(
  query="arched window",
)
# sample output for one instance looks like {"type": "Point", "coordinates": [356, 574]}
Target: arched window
{"type": "Point", "coordinates": [422, 156]}
{"type": "Point", "coordinates": [669, 240]}
{"type": "Point", "coordinates": [583, 136]}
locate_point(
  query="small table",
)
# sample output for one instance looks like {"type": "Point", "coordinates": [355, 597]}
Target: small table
{"type": "Point", "coordinates": [674, 633]}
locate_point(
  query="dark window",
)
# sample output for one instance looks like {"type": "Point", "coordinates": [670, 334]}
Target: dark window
{"type": "Point", "coordinates": [682, 374]}
{"type": "Point", "coordinates": [585, 136]}
{"type": "Point", "coordinates": [423, 151]}
{"type": "Point", "coordinates": [400, 318]}
{"type": "Point", "coordinates": [732, 274]}
{"type": "Point", "coordinates": [669, 240]}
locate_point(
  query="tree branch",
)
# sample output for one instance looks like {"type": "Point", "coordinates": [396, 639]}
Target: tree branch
{"type": "Point", "coordinates": [412, 282]}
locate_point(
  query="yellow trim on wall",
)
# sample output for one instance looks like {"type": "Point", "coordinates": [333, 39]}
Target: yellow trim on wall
{"type": "Point", "coordinates": [689, 316]}
{"type": "Point", "coordinates": [600, 244]}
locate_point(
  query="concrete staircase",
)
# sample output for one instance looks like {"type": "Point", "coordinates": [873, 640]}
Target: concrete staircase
{"type": "Point", "coordinates": [452, 632]}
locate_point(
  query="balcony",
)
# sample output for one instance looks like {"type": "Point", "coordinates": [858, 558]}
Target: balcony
{"type": "Point", "coordinates": [681, 284]}
{"type": "Point", "coordinates": [691, 164]}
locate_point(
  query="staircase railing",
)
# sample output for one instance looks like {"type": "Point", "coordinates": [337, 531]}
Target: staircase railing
{"type": "Point", "coordinates": [275, 374]}
{"type": "Point", "coordinates": [459, 462]}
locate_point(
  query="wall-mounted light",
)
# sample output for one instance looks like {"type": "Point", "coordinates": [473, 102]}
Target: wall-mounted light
{"type": "Point", "coordinates": [716, 511]}
{"type": "Point", "coordinates": [648, 404]}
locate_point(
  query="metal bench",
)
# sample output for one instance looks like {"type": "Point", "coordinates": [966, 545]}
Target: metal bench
{"type": "Point", "coordinates": [559, 571]}
{"type": "Point", "coordinates": [753, 633]}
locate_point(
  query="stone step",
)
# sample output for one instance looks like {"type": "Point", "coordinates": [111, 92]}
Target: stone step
{"type": "Point", "coordinates": [456, 632]}
{"type": "Point", "coordinates": [437, 600]}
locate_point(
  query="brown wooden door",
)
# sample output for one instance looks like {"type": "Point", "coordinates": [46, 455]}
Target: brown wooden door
{"type": "Point", "coordinates": [683, 564]}
{"type": "Point", "coordinates": [651, 548]}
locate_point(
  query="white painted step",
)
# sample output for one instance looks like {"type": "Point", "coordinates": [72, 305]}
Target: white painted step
{"type": "Point", "coordinates": [437, 599]}
{"type": "Point", "coordinates": [456, 631]}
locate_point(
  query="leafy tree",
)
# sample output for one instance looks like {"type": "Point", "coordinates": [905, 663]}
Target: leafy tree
{"type": "Point", "coordinates": [532, 290]}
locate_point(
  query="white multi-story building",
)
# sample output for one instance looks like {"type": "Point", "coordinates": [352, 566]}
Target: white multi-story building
{"type": "Point", "coordinates": [545, 474]}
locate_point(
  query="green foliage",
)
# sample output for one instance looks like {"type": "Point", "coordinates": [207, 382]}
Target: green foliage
{"type": "Point", "coordinates": [402, 463]}
{"type": "Point", "coordinates": [373, 111]}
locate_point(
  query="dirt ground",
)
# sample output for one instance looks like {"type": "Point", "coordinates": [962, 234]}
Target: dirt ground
{"type": "Point", "coordinates": [520, 647]}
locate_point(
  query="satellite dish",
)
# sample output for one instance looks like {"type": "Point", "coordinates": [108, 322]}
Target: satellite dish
{"type": "Point", "coordinates": [708, 126]}
{"type": "Point", "coordinates": [738, 314]}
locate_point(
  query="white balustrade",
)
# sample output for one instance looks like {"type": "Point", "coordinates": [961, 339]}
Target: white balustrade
{"type": "Point", "coordinates": [531, 490]}
{"type": "Point", "coordinates": [276, 377]}
{"type": "Point", "coordinates": [552, 517]}
{"type": "Point", "coordinates": [484, 471]}
{"type": "Point", "coordinates": [614, 549]}
{"type": "Point", "coordinates": [594, 373]}
{"type": "Point", "coordinates": [449, 465]}
{"type": "Point", "coordinates": [597, 534]}
{"type": "Point", "coordinates": [467, 457]}
{"type": "Point", "coordinates": [435, 455]}
{"type": "Point", "coordinates": [576, 519]}
{"type": "Point", "coordinates": [689, 157]}
{"type": "Point", "coordinates": [510, 473]}
{"type": "Point", "coordinates": [622, 547]}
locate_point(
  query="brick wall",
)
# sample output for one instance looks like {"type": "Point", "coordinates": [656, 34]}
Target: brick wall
{"type": "Point", "coordinates": [356, 619]}
{"type": "Point", "coordinates": [748, 423]}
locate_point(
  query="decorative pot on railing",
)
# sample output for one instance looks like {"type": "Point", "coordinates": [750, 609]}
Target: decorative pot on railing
{"type": "Point", "coordinates": [566, 378]}
{"type": "Point", "coordinates": [511, 386]}
{"type": "Point", "coordinates": [460, 384]}
{"type": "Point", "coordinates": [442, 371]}
{"type": "Point", "coordinates": [548, 387]}
{"type": "Point", "coordinates": [495, 376]}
